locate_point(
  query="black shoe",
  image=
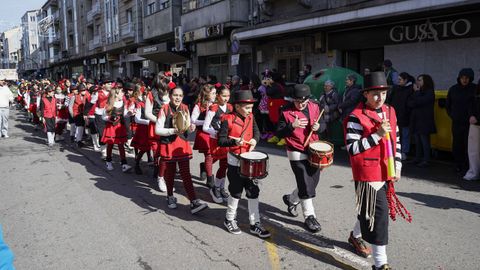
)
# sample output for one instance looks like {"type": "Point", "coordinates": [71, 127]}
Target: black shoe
{"type": "Point", "coordinates": [258, 230]}
{"type": "Point", "coordinates": [138, 170]}
{"type": "Point", "coordinates": [383, 267]}
{"type": "Point", "coordinates": [311, 223]}
{"type": "Point", "coordinates": [197, 206]}
{"type": "Point", "coordinates": [210, 181]}
{"type": "Point", "coordinates": [203, 172]}
{"type": "Point", "coordinates": [291, 208]}
{"type": "Point", "coordinates": [80, 144]}
{"type": "Point", "coordinates": [232, 226]}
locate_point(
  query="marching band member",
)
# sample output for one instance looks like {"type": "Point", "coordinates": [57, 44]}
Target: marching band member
{"type": "Point", "coordinates": [76, 109]}
{"type": "Point", "coordinates": [89, 114]}
{"type": "Point", "coordinates": [129, 122]}
{"type": "Point", "coordinates": [115, 131]}
{"type": "Point", "coordinates": [156, 98]}
{"type": "Point", "coordinates": [211, 125]}
{"type": "Point", "coordinates": [100, 100]}
{"type": "Point", "coordinates": [296, 121]}
{"type": "Point", "coordinates": [367, 132]}
{"type": "Point", "coordinates": [175, 148]}
{"type": "Point", "coordinates": [202, 138]}
{"type": "Point", "coordinates": [140, 139]}
{"type": "Point", "coordinates": [47, 113]}
{"type": "Point", "coordinates": [240, 133]}
{"type": "Point", "coordinates": [62, 113]}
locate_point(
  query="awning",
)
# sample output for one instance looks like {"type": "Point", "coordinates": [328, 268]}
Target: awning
{"type": "Point", "coordinates": [161, 53]}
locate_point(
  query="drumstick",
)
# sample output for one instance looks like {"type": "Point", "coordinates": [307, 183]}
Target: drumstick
{"type": "Point", "coordinates": [311, 131]}
{"type": "Point", "coordinates": [236, 138]}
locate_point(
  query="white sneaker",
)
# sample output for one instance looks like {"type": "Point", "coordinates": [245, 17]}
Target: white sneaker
{"type": "Point", "coordinates": [6, 136]}
{"type": "Point", "coordinates": [126, 168]}
{"type": "Point", "coordinates": [162, 186]}
{"type": "Point", "coordinates": [109, 166]}
{"type": "Point", "coordinates": [96, 148]}
{"type": "Point", "coordinates": [104, 153]}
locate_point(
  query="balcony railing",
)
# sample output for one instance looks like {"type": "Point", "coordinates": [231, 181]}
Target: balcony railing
{"type": "Point", "coordinates": [127, 30]}
{"type": "Point", "coordinates": [96, 42]}
{"type": "Point", "coordinates": [54, 39]}
{"type": "Point", "coordinates": [94, 12]}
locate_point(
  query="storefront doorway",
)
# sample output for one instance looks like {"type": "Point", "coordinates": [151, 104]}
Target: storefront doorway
{"type": "Point", "coordinates": [359, 60]}
{"type": "Point", "coordinates": [289, 66]}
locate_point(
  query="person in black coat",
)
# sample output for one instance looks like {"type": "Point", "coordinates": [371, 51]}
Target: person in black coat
{"type": "Point", "coordinates": [460, 107]}
{"type": "Point", "coordinates": [351, 96]}
{"type": "Point", "coordinates": [398, 99]}
{"type": "Point", "coordinates": [422, 122]}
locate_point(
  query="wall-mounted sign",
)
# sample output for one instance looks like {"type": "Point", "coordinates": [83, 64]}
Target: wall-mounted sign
{"type": "Point", "coordinates": [150, 49]}
{"type": "Point", "coordinates": [430, 31]}
{"type": "Point", "coordinates": [235, 59]}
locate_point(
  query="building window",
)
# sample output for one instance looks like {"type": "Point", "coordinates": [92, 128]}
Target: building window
{"type": "Point", "coordinates": [34, 46]}
{"type": "Point", "coordinates": [189, 5]}
{"type": "Point", "coordinates": [150, 9]}
{"type": "Point", "coordinates": [164, 4]}
{"type": "Point", "coordinates": [32, 18]}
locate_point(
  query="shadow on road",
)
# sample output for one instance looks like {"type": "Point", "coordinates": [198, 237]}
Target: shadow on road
{"type": "Point", "coordinates": [441, 202]}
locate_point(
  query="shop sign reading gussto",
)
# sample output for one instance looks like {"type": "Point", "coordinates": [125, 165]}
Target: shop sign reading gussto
{"type": "Point", "coordinates": [430, 31]}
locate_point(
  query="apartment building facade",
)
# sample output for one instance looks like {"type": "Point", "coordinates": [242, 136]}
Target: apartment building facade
{"type": "Point", "coordinates": [30, 59]}
{"type": "Point", "coordinates": [126, 38]}
{"type": "Point", "coordinates": [10, 44]}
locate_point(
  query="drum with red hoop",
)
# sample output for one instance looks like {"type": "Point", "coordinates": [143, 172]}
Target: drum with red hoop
{"type": "Point", "coordinates": [253, 165]}
{"type": "Point", "coordinates": [320, 154]}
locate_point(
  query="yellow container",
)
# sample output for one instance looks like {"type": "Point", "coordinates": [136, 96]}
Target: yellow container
{"type": "Point", "coordinates": [442, 140]}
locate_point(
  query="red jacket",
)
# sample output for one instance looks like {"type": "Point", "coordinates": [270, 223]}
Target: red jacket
{"type": "Point", "coordinates": [102, 99]}
{"type": "Point", "coordinates": [78, 104]}
{"type": "Point", "coordinates": [238, 128]}
{"type": "Point", "coordinates": [296, 140]}
{"type": "Point", "coordinates": [50, 107]}
{"type": "Point", "coordinates": [371, 165]}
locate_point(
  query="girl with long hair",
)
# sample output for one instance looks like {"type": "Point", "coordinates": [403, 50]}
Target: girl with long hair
{"type": "Point", "coordinates": [202, 139]}
{"type": "Point", "coordinates": [211, 125]}
{"type": "Point", "coordinates": [115, 131]}
{"type": "Point", "coordinates": [175, 149]}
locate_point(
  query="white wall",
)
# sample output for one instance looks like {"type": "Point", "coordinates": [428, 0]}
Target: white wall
{"type": "Point", "coordinates": [442, 59]}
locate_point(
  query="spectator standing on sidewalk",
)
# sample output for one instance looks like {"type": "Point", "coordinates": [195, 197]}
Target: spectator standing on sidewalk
{"type": "Point", "coordinates": [390, 73]}
{"type": "Point", "coordinates": [460, 107]}
{"type": "Point", "coordinates": [351, 96]}
{"type": "Point", "coordinates": [473, 172]}
{"type": "Point", "coordinates": [422, 122]}
{"type": "Point", "coordinates": [329, 101]}
{"type": "Point", "coordinates": [399, 96]}
{"type": "Point", "coordinates": [6, 98]}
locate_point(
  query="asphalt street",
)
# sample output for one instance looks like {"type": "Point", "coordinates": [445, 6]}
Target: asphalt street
{"type": "Point", "coordinates": [61, 209]}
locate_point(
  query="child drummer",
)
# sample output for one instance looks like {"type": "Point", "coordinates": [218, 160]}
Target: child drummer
{"type": "Point", "coordinates": [240, 133]}
{"type": "Point", "coordinates": [297, 120]}
{"type": "Point", "coordinates": [367, 135]}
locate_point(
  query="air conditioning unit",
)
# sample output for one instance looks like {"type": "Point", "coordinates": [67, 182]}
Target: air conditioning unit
{"type": "Point", "coordinates": [178, 39]}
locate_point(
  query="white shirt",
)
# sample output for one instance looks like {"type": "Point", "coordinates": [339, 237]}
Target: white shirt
{"type": "Point", "coordinates": [6, 97]}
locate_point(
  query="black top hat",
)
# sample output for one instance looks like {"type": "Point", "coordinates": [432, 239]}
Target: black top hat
{"type": "Point", "coordinates": [301, 91]}
{"type": "Point", "coordinates": [129, 86]}
{"type": "Point", "coordinates": [243, 96]}
{"type": "Point", "coordinates": [375, 81]}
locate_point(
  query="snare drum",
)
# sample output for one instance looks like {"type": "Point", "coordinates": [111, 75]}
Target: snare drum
{"type": "Point", "coordinates": [253, 165]}
{"type": "Point", "coordinates": [320, 154]}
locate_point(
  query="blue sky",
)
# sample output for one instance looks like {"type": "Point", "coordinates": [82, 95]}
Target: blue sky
{"type": "Point", "coordinates": [13, 10]}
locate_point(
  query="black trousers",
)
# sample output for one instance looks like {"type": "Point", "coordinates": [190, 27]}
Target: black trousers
{"type": "Point", "coordinates": [379, 235]}
{"type": "Point", "coordinates": [307, 178]}
{"type": "Point", "coordinates": [100, 125]}
{"type": "Point", "coordinates": [50, 124]}
{"type": "Point", "coordinates": [79, 120]}
{"type": "Point", "coordinates": [91, 126]}
{"type": "Point", "coordinates": [237, 183]}
{"type": "Point", "coordinates": [460, 144]}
